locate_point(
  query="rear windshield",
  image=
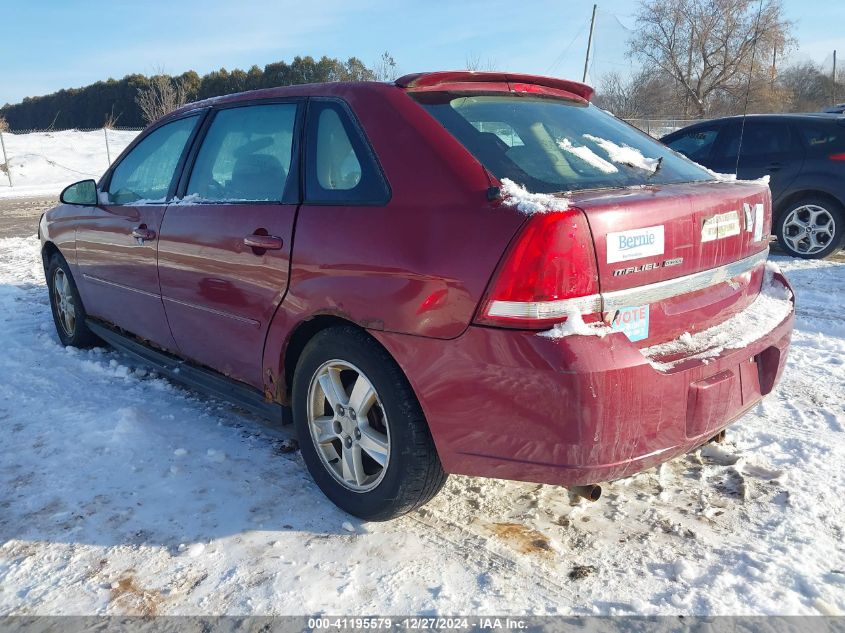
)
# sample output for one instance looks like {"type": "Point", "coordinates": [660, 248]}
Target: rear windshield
{"type": "Point", "coordinates": [551, 145]}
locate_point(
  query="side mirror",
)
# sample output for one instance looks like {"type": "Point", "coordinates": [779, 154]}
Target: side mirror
{"type": "Point", "coordinates": [82, 193]}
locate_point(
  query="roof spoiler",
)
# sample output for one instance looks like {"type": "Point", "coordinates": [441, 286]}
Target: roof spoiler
{"type": "Point", "coordinates": [516, 82]}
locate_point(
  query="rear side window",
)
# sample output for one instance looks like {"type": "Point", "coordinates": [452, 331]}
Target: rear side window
{"type": "Point", "coordinates": [340, 165]}
{"type": "Point", "coordinates": [552, 145]}
{"type": "Point", "coordinates": [760, 139]}
{"type": "Point", "coordinates": [145, 174]}
{"type": "Point", "coordinates": [696, 144]}
{"type": "Point", "coordinates": [246, 155]}
{"type": "Point", "coordinates": [822, 138]}
{"type": "Point", "coordinates": [766, 138]}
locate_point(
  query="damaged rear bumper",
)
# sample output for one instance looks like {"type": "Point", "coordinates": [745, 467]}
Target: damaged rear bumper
{"type": "Point", "coordinates": [579, 409]}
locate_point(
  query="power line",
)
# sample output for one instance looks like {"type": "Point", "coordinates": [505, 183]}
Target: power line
{"type": "Point", "coordinates": [560, 57]}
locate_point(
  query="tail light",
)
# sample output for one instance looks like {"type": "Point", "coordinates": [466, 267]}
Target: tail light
{"type": "Point", "coordinates": [548, 272]}
{"type": "Point", "coordinates": [837, 156]}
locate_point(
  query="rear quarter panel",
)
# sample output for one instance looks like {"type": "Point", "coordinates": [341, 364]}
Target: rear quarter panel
{"type": "Point", "coordinates": [417, 265]}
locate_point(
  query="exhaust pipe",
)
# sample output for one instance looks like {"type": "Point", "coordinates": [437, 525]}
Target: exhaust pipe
{"type": "Point", "coordinates": [591, 492]}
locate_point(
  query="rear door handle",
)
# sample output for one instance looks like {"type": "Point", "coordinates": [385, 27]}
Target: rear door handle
{"type": "Point", "coordinates": [142, 233]}
{"type": "Point", "coordinates": [264, 242]}
{"type": "Point", "coordinates": [774, 166]}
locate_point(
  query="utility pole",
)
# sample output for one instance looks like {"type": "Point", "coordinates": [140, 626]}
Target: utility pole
{"type": "Point", "coordinates": [590, 42]}
{"type": "Point", "coordinates": [833, 88]}
{"type": "Point", "coordinates": [774, 64]}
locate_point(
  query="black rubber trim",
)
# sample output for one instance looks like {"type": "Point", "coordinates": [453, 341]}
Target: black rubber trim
{"type": "Point", "coordinates": [198, 378]}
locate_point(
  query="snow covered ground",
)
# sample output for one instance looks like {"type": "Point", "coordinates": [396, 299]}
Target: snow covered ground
{"type": "Point", "coordinates": [44, 163]}
{"type": "Point", "coordinates": [122, 493]}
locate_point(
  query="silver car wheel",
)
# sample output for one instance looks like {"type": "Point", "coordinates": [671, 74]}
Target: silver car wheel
{"type": "Point", "coordinates": [348, 425]}
{"type": "Point", "coordinates": [64, 302]}
{"type": "Point", "coordinates": [808, 229]}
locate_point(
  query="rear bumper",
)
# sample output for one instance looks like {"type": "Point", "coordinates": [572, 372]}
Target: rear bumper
{"type": "Point", "coordinates": [580, 409]}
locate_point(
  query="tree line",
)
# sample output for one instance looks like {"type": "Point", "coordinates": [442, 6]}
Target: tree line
{"type": "Point", "coordinates": [116, 102]}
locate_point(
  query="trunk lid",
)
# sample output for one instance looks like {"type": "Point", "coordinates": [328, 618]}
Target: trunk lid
{"type": "Point", "coordinates": [677, 258]}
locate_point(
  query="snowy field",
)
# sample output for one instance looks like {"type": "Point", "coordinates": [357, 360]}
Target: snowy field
{"type": "Point", "coordinates": [44, 163]}
{"type": "Point", "coordinates": [121, 493]}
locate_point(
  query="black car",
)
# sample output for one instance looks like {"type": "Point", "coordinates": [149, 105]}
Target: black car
{"type": "Point", "coordinates": [805, 156]}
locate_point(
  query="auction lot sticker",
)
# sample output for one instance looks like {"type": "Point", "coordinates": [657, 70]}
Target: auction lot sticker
{"type": "Point", "coordinates": [633, 321]}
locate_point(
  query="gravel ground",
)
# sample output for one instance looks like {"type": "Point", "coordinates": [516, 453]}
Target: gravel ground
{"type": "Point", "coordinates": [19, 216]}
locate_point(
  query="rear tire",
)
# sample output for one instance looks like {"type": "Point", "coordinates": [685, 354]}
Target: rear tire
{"type": "Point", "coordinates": [811, 228]}
{"type": "Point", "coordinates": [68, 312]}
{"type": "Point", "coordinates": [361, 430]}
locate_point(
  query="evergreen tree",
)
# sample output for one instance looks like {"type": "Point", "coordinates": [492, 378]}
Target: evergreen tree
{"type": "Point", "coordinates": [116, 99]}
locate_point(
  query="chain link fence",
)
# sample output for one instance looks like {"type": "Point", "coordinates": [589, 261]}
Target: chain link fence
{"type": "Point", "coordinates": [31, 158]}
{"type": "Point", "coordinates": [660, 127]}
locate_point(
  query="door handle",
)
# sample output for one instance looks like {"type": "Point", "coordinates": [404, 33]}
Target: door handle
{"type": "Point", "coordinates": [142, 233]}
{"type": "Point", "coordinates": [774, 166]}
{"type": "Point", "coordinates": [264, 242]}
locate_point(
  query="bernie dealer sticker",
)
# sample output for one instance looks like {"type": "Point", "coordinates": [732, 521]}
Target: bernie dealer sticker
{"type": "Point", "coordinates": [626, 245]}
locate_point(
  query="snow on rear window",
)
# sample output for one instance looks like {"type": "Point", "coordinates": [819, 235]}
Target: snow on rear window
{"type": "Point", "coordinates": [625, 154]}
{"type": "Point", "coordinates": [562, 145]}
{"type": "Point", "coordinates": [588, 156]}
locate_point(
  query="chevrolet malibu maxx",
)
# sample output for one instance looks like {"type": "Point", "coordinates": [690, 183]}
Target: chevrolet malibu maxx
{"type": "Point", "coordinates": [472, 273]}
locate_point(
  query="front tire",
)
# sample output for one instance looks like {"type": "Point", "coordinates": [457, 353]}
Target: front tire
{"type": "Point", "coordinates": [811, 228]}
{"type": "Point", "coordinates": [66, 305]}
{"type": "Point", "coordinates": [361, 430]}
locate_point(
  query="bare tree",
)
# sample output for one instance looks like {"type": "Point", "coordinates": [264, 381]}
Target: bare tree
{"type": "Point", "coordinates": [645, 94]}
{"type": "Point", "coordinates": [163, 95]}
{"type": "Point", "coordinates": [4, 125]}
{"type": "Point", "coordinates": [707, 46]}
{"type": "Point", "coordinates": [619, 95]}
{"type": "Point", "coordinates": [111, 120]}
{"type": "Point", "coordinates": [385, 68]}
{"type": "Point", "coordinates": [808, 88]}
{"type": "Point", "coordinates": [473, 62]}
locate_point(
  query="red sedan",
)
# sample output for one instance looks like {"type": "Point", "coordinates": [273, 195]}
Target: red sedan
{"type": "Point", "coordinates": [474, 273]}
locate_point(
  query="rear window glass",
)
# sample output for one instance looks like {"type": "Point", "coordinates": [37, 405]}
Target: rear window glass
{"type": "Point", "coordinates": [552, 145]}
{"type": "Point", "coordinates": [823, 137]}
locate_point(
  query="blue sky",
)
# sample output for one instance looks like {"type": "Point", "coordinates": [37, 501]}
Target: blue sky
{"type": "Point", "coordinates": [53, 44]}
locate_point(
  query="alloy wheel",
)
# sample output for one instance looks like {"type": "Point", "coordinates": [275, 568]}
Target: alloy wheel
{"type": "Point", "coordinates": [808, 229]}
{"type": "Point", "coordinates": [348, 425]}
{"type": "Point", "coordinates": [64, 301]}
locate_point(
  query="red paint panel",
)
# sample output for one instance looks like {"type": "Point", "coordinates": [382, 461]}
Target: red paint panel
{"type": "Point", "coordinates": [119, 277]}
{"type": "Point", "coordinates": [220, 294]}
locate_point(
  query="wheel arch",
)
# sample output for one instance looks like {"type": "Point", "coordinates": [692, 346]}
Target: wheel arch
{"type": "Point", "coordinates": [300, 335]}
{"type": "Point", "coordinates": [799, 194]}
{"type": "Point", "coordinates": [48, 249]}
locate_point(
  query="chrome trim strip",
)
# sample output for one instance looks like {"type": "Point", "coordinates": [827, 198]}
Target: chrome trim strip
{"type": "Point", "coordinates": [228, 315]}
{"type": "Point", "coordinates": [114, 284]}
{"type": "Point", "coordinates": [640, 295]}
{"type": "Point", "coordinates": [245, 320]}
{"type": "Point", "coordinates": [658, 291]}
